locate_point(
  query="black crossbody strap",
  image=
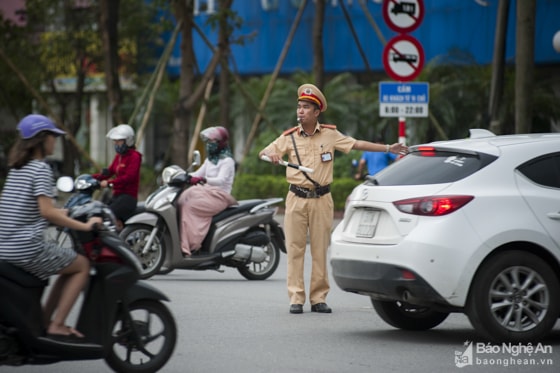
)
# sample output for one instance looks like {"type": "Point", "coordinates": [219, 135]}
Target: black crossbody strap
{"type": "Point", "coordinates": [299, 161]}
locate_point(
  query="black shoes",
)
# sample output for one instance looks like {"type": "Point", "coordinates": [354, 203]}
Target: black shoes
{"type": "Point", "coordinates": [321, 308]}
{"type": "Point", "coordinates": [296, 308]}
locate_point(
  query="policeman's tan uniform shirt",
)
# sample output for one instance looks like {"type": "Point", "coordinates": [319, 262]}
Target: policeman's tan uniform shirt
{"type": "Point", "coordinates": [316, 214]}
{"type": "Point", "coordinates": [325, 140]}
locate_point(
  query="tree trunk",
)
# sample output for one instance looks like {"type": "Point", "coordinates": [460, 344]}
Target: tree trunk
{"type": "Point", "coordinates": [109, 18]}
{"type": "Point", "coordinates": [355, 35]}
{"type": "Point", "coordinates": [318, 53]}
{"type": "Point", "coordinates": [184, 11]}
{"type": "Point", "coordinates": [72, 117]}
{"type": "Point", "coordinates": [275, 73]}
{"type": "Point", "coordinates": [188, 95]}
{"type": "Point", "coordinates": [223, 44]}
{"type": "Point", "coordinates": [524, 65]}
{"type": "Point", "coordinates": [498, 65]}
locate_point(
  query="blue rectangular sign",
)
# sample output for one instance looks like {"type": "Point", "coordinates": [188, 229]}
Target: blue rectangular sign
{"type": "Point", "coordinates": [403, 93]}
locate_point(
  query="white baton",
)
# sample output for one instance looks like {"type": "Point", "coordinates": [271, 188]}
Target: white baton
{"type": "Point", "coordinates": [287, 164]}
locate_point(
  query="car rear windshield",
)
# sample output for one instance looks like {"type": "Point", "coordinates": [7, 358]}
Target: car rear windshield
{"type": "Point", "coordinates": [431, 167]}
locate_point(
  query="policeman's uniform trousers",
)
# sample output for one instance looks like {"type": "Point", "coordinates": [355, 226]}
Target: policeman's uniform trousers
{"type": "Point", "coordinates": [317, 215]}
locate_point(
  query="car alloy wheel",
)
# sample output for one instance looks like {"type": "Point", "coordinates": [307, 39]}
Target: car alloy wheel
{"type": "Point", "coordinates": [513, 298]}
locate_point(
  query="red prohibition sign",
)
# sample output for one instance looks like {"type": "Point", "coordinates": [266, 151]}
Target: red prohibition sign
{"type": "Point", "coordinates": [403, 15]}
{"type": "Point", "coordinates": [403, 58]}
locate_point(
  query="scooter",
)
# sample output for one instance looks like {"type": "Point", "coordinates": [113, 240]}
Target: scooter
{"type": "Point", "coordinates": [123, 319]}
{"type": "Point", "coordinates": [245, 236]}
{"type": "Point", "coordinates": [83, 187]}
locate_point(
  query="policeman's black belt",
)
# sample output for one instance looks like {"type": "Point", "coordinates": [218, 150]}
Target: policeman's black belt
{"type": "Point", "coordinates": [310, 193]}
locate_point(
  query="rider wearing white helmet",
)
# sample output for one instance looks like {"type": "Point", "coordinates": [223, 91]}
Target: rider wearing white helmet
{"type": "Point", "coordinates": [123, 175]}
{"type": "Point", "coordinates": [122, 132]}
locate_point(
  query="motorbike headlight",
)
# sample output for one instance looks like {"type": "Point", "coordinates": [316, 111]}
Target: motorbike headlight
{"type": "Point", "coordinates": [169, 172]}
{"type": "Point", "coordinates": [85, 182]}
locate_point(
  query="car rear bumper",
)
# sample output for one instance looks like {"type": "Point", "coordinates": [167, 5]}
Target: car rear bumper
{"type": "Point", "coordinates": [383, 281]}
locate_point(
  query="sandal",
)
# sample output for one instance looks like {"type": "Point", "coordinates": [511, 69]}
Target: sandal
{"type": "Point", "coordinates": [71, 332]}
{"type": "Point", "coordinates": [66, 338]}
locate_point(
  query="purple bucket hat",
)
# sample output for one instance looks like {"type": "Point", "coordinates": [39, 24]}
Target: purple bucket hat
{"type": "Point", "coordinates": [32, 124]}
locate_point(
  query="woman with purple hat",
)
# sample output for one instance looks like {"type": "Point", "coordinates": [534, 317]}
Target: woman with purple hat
{"type": "Point", "coordinates": [26, 209]}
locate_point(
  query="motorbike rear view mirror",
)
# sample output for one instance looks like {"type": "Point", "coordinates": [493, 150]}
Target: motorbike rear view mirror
{"type": "Point", "coordinates": [196, 158]}
{"type": "Point", "coordinates": [65, 184]}
{"type": "Point", "coordinates": [195, 162]}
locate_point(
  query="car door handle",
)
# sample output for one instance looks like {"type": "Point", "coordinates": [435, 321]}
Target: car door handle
{"type": "Point", "coordinates": [554, 215]}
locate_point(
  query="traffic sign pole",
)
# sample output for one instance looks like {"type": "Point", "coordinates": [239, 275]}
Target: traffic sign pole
{"type": "Point", "coordinates": [402, 130]}
{"type": "Point", "coordinates": [403, 58]}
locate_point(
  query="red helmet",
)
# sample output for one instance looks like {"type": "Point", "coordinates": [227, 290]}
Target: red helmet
{"type": "Point", "coordinates": [218, 134]}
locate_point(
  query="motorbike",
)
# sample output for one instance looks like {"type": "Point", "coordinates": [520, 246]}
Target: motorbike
{"type": "Point", "coordinates": [84, 188]}
{"type": "Point", "coordinates": [244, 236]}
{"type": "Point", "coordinates": [124, 319]}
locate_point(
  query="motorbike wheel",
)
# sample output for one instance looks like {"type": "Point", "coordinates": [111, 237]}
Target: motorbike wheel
{"type": "Point", "coordinates": [65, 240]}
{"type": "Point", "coordinates": [136, 236]}
{"type": "Point", "coordinates": [143, 338]}
{"type": "Point", "coordinates": [265, 269]}
{"type": "Point", "coordinates": [165, 270]}
{"type": "Point", "coordinates": [61, 236]}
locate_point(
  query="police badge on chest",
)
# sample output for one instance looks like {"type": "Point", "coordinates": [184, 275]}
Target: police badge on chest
{"type": "Point", "coordinates": [326, 157]}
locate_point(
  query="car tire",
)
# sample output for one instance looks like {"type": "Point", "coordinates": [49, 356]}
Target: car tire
{"type": "Point", "coordinates": [514, 298]}
{"type": "Point", "coordinates": [407, 316]}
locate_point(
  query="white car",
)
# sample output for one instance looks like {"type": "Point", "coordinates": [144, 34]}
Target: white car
{"type": "Point", "coordinates": [469, 226]}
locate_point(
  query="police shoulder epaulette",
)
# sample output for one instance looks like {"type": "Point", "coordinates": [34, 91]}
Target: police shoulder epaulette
{"type": "Point", "coordinates": [291, 130]}
{"type": "Point", "coordinates": [331, 126]}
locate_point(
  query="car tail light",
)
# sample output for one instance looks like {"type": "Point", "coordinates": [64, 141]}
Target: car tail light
{"type": "Point", "coordinates": [427, 151]}
{"type": "Point", "coordinates": [432, 205]}
{"type": "Point", "coordinates": [407, 275]}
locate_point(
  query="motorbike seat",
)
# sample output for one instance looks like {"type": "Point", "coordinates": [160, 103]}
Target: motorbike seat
{"type": "Point", "coordinates": [21, 277]}
{"type": "Point", "coordinates": [243, 206]}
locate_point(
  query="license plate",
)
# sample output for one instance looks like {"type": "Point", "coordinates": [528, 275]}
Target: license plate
{"type": "Point", "coordinates": [367, 223]}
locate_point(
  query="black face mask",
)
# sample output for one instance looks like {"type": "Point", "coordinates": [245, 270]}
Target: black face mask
{"type": "Point", "coordinates": [121, 149]}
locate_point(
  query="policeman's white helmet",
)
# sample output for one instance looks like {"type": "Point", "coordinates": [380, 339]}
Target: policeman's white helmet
{"type": "Point", "coordinates": [122, 132]}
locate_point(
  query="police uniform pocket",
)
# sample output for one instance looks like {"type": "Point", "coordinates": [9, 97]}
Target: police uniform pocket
{"type": "Point", "coordinates": [301, 151]}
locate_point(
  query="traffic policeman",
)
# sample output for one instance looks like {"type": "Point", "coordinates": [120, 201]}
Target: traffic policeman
{"type": "Point", "coordinates": [309, 204]}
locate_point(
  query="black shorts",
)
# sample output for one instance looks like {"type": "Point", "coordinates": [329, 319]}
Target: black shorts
{"type": "Point", "coordinates": [123, 206]}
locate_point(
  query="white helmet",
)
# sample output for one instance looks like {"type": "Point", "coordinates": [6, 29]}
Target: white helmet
{"type": "Point", "coordinates": [122, 132]}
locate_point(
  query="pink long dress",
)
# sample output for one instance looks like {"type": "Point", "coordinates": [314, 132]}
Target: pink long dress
{"type": "Point", "coordinates": [199, 203]}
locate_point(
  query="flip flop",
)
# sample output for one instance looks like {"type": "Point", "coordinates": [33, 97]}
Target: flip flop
{"type": "Point", "coordinates": [66, 338]}
{"type": "Point", "coordinates": [75, 332]}
{"type": "Point", "coordinates": [71, 333]}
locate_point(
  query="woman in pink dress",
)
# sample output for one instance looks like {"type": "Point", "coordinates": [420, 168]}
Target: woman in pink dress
{"type": "Point", "coordinates": [210, 192]}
